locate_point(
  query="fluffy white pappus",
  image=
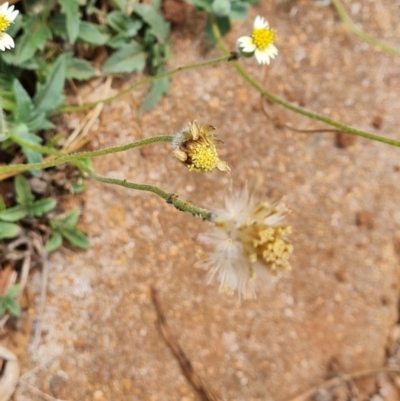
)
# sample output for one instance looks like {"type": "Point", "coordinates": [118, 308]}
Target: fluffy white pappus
{"type": "Point", "coordinates": [249, 244]}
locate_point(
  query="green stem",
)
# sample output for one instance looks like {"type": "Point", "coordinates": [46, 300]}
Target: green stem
{"type": "Point", "coordinates": [169, 198]}
{"type": "Point", "coordinates": [149, 80]}
{"type": "Point", "coordinates": [44, 15]}
{"type": "Point", "coordinates": [75, 156]}
{"type": "Point", "coordinates": [361, 34]}
{"type": "Point", "coordinates": [314, 116]}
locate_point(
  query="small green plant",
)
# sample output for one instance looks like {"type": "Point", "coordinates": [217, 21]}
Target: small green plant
{"type": "Point", "coordinates": [8, 304]}
{"type": "Point", "coordinates": [7, 230]}
{"type": "Point", "coordinates": [26, 203]}
{"type": "Point", "coordinates": [133, 35]}
{"type": "Point", "coordinates": [65, 228]}
{"type": "Point", "coordinates": [30, 115]}
{"type": "Point", "coordinates": [26, 206]}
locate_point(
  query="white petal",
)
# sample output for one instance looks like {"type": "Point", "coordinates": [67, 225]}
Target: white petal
{"type": "Point", "coordinates": [8, 12]}
{"type": "Point", "coordinates": [6, 41]}
{"type": "Point", "coordinates": [262, 56]}
{"type": "Point", "coordinates": [260, 23]}
{"type": "Point", "coordinates": [3, 7]}
{"type": "Point", "coordinates": [246, 44]}
{"type": "Point", "coordinates": [273, 51]}
{"type": "Point", "coordinates": [13, 15]}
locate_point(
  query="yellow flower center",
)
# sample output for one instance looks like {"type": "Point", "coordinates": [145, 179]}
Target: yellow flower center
{"type": "Point", "coordinates": [4, 23]}
{"type": "Point", "coordinates": [204, 157]}
{"type": "Point", "coordinates": [265, 244]}
{"type": "Point", "coordinates": [263, 37]}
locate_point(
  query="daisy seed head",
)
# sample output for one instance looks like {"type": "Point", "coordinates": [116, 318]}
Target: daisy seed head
{"type": "Point", "coordinates": [260, 43]}
{"type": "Point", "coordinates": [196, 148]}
{"type": "Point", "coordinates": [250, 243]}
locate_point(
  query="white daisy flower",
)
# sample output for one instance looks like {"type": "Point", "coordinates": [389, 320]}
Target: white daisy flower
{"type": "Point", "coordinates": [7, 17]}
{"type": "Point", "coordinates": [249, 243]}
{"type": "Point", "coordinates": [260, 43]}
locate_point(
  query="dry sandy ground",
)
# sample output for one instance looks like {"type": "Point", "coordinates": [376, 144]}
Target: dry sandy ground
{"type": "Point", "coordinates": [340, 302]}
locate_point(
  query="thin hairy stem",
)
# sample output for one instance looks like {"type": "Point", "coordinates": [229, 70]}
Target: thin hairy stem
{"type": "Point", "coordinates": [303, 112]}
{"type": "Point", "coordinates": [169, 198]}
{"type": "Point", "coordinates": [149, 80]}
{"type": "Point", "coordinates": [360, 33]}
{"type": "Point", "coordinates": [75, 156]}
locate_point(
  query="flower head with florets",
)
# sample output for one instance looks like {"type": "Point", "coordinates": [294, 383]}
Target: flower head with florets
{"type": "Point", "coordinates": [7, 17]}
{"type": "Point", "coordinates": [260, 42]}
{"type": "Point", "coordinates": [250, 243]}
{"type": "Point", "coordinates": [196, 148]}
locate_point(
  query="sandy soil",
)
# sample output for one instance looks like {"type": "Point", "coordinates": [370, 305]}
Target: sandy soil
{"type": "Point", "coordinates": [340, 302]}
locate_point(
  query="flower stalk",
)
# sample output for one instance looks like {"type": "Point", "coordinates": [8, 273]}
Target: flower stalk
{"type": "Point", "coordinates": [298, 110]}
{"type": "Point", "coordinates": [75, 156]}
{"type": "Point", "coordinates": [169, 198]}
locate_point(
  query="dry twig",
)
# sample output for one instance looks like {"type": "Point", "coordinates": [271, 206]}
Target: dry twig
{"type": "Point", "coordinates": [10, 374]}
{"type": "Point", "coordinates": [187, 367]}
{"type": "Point", "coordinates": [37, 331]}
{"type": "Point", "coordinates": [343, 379]}
{"type": "Point", "coordinates": [276, 121]}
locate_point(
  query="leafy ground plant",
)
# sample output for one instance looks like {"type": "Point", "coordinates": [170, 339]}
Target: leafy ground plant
{"type": "Point", "coordinates": [64, 40]}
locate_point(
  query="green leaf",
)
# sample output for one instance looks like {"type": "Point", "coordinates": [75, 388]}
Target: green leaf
{"type": "Point", "coordinates": [118, 21]}
{"type": "Point", "coordinates": [118, 41]}
{"type": "Point", "coordinates": [70, 219]}
{"type": "Point", "coordinates": [92, 34]}
{"type": "Point", "coordinates": [120, 4]}
{"type": "Point", "coordinates": [71, 10]}
{"type": "Point", "coordinates": [79, 69]}
{"type": "Point", "coordinates": [75, 237]}
{"type": "Point", "coordinates": [14, 213]}
{"type": "Point", "coordinates": [38, 122]}
{"type": "Point", "coordinates": [8, 230]}
{"type": "Point", "coordinates": [127, 59]}
{"type": "Point", "coordinates": [58, 25]}
{"type": "Point", "coordinates": [203, 5]}
{"type": "Point", "coordinates": [32, 156]}
{"type": "Point", "coordinates": [158, 89]}
{"type": "Point", "coordinates": [22, 190]}
{"type": "Point", "coordinates": [7, 99]}
{"type": "Point", "coordinates": [13, 307]}
{"type": "Point", "coordinates": [40, 207]}
{"type": "Point", "coordinates": [238, 10]}
{"type": "Point", "coordinates": [13, 291]}
{"type": "Point", "coordinates": [156, 4]}
{"type": "Point", "coordinates": [23, 103]}
{"type": "Point", "coordinates": [49, 95]}
{"type": "Point", "coordinates": [2, 204]}
{"type": "Point", "coordinates": [224, 25]}
{"type": "Point", "coordinates": [123, 24]}
{"type": "Point", "coordinates": [34, 38]}
{"type": "Point", "coordinates": [53, 243]}
{"type": "Point", "coordinates": [154, 19]}
{"type": "Point", "coordinates": [78, 187]}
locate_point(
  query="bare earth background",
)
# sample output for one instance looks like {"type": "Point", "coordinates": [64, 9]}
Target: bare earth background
{"type": "Point", "coordinates": [340, 302]}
